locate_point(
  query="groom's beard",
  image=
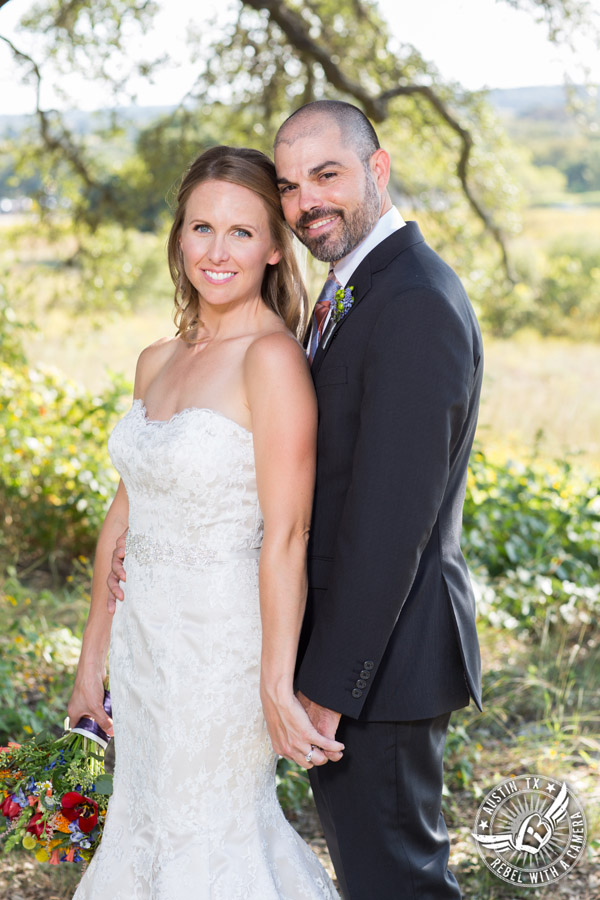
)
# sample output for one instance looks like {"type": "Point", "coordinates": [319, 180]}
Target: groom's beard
{"type": "Point", "coordinates": [351, 228]}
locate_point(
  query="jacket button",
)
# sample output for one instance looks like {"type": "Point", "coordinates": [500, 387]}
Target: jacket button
{"type": "Point", "coordinates": [356, 693]}
{"type": "Point", "coordinates": [369, 664]}
{"type": "Point", "coordinates": [364, 674]}
{"type": "Point", "coordinates": [361, 684]}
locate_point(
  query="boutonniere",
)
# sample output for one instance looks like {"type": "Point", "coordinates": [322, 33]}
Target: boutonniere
{"type": "Point", "coordinates": [342, 303]}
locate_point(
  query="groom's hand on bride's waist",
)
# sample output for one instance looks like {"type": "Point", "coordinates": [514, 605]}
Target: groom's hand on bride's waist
{"type": "Point", "coordinates": [117, 574]}
{"type": "Point", "coordinates": [325, 720]}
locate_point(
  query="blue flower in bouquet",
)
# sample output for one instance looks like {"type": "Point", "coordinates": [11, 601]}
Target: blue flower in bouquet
{"type": "Point", "coordinates": [20, 798]}
{"type": "Point", "coordinates": [78, 837]}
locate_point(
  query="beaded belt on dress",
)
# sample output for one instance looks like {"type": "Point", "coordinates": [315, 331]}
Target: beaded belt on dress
{"type": "Point", "coordinates": [147, 550]}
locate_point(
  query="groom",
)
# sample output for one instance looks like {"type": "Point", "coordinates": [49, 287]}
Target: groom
{"type": "Point", "coordinates": [389, 646]}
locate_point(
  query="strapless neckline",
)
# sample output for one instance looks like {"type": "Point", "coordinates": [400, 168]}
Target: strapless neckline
{"type": "Point", "coordinates": [189, 410]}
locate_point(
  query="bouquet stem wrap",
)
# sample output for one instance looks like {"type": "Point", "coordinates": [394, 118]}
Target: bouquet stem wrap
{"type": "Point", "coordinates": [89, 728]}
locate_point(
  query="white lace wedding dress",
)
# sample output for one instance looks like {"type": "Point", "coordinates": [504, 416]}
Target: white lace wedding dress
{"type": "Point", "coordinates": [194, 813]}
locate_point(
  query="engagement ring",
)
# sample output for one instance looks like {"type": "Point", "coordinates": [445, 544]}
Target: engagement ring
{"type": "Point", "coordinates": [308, 756]}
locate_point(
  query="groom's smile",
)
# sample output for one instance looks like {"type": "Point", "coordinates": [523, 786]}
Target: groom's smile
{"type": "Point", "coordinates": [322, 223]}
{"type": "Point", "coordinates": [317, 224]}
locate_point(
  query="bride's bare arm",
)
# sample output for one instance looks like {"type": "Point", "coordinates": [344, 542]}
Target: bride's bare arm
{"type": "Point", "coordinates": [88, 691]}
{"type": "Point", "coordinates": [284, 423]}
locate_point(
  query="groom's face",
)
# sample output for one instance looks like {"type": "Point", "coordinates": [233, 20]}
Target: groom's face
{"type": "Point", "coordinates": [330, 198]}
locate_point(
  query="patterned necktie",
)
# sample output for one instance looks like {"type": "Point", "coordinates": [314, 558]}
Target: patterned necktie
{"type": "Point", "coordinates": [321, 311]}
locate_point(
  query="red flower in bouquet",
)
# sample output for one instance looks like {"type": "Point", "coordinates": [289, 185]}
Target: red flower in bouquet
{"type": "Point", "coordinates": [10, 809]}
{"type": "Point", "coordinates": [37, 826]}
{"type": "Point", "coordinates": [84, 809]}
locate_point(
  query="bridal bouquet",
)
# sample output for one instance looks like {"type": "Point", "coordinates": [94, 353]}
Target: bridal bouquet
{"type": "Point", "coordinates": [54, 793]}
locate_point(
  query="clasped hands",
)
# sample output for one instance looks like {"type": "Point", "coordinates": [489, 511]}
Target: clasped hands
{"type": "Point", "coordinates": [302, 730]}
{"type": "Point", "coordinates": [326, 722]}
{"type": "Point", "coordinates": [298, 727]}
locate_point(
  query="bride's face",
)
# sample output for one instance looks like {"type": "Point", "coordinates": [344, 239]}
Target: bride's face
{"type": "Point", "coordinates": [226, 243]}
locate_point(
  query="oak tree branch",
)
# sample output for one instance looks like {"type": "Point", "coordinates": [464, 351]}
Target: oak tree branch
{"type": "Point", "coordinates": [62, 142]}
{"type": "Point", "coordinates": [376, 106]}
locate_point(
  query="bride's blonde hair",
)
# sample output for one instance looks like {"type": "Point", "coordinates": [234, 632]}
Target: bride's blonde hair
{"type": "Point", "coordinates": [282, 289]}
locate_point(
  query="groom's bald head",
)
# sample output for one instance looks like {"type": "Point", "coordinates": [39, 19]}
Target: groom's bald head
{"type": "Point", "coordinates": [356, 130]}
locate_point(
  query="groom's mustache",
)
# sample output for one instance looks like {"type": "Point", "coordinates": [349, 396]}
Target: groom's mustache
{"type": "Point", "coordinates": [308, 218]}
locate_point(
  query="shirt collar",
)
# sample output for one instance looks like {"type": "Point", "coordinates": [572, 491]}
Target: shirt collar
{"type": "Point", "coordinates": [388, 223]}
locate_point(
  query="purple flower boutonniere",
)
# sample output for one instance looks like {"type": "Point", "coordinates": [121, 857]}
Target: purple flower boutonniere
{"type": "Point", "coordinates": [343, 301]}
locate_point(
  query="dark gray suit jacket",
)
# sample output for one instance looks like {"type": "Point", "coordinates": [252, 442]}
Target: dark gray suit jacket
{"type": "Point", "coordinates": [389, 631]}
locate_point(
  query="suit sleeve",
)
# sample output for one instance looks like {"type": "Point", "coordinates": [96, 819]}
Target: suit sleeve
{"type": "Point", "coordinates": [416, 382]}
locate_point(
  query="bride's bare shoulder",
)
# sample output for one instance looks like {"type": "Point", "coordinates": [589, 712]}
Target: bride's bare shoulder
{"type": "Point", "coordinates": [273, 352]}
{"type": "Point", "coordinates": [151, 360]}
{"type": "Point", "coordinates": [274, 342]}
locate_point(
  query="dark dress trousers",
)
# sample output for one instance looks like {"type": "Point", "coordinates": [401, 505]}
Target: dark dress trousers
{"type": "Point", "coordinates": [389, 636]}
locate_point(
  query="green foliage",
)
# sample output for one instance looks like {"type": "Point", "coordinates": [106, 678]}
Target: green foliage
{"type": "Point", "coordinates": [114, 269]}
{"type": "Point", "coordinates": [11, 332]}
{"type": "Point", "coordinates": [99, 271]}
{"type": "Point", "coordinates": [531, 535]}
{"type": "Point", "coordinates": [558, 294]}
{"type": "Point", "coordinates": [575, 154]}
{"type": "Point", "coordinates": [569, 294]}
{"type": "Point", "coordinates": [38, 657]}
{"type": "Point", "coordinates": [460, 754]}
{"type": "Point", "coordinates": [149, 180]}
{"type": "Point", "coordinates": [293, 786]}
{"type": "Point", "coordinates": [93, 39]}
{"type": "Point", "coordinates": [55, 477]}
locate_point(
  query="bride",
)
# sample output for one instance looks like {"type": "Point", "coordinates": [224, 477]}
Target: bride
{"type": "Point", "coordinates": [217, 458]}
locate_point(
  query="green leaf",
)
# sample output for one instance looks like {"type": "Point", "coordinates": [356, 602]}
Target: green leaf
{"type": "Point", "coordinates": [104, 784]}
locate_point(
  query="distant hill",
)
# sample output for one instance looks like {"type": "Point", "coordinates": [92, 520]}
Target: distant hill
{"type": "Point", "coordinates": [82, 121]}
{"type": "Point", "coordinates": [523, 102]}
{"type": "Point", "coordinates": [553, 102]}
{"type": "Point", "coordinates": [542, 119]}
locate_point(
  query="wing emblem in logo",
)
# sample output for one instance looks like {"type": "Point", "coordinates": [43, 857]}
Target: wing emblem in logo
{"type": "Point", "coordinates": [534, 832]}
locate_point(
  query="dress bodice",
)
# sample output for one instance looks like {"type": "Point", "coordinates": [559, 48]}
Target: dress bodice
{"type": "Point", "coordinates": [190, 480]}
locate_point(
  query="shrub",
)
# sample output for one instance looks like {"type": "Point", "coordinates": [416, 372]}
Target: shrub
{"type": "Point", "coordinates": [11, 332]}
{"type": "Point", "coordinates": [56, 479]}
{"type": "Point", "coordinates": [569, 293]}
{"type": "Point", "coordinates": [531, 536]}
{"type": "Point", "coordinates": [38, 657]}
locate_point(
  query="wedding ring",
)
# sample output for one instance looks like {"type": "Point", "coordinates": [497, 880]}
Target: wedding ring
{"type": "Point", "coordinates": [308, 756]}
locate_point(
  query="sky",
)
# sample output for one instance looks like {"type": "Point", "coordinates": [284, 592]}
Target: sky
{"type": "Point", "coordinates": [479, 43]}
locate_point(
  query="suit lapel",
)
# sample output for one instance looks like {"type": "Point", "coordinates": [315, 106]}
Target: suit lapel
{"type": "Point", "coordinates": [361, 278]}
